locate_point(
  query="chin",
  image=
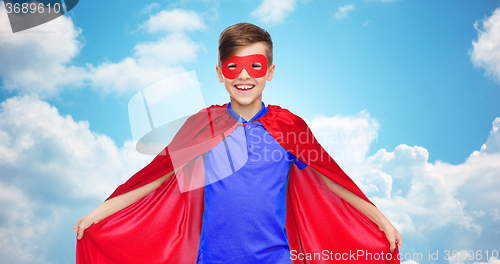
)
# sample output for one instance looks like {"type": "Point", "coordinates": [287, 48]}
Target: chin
{"type": "Point", "coordinates": [244, 101]}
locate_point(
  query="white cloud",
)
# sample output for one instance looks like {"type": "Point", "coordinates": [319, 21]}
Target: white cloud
{"type": "Point", "coordinates": [495, 213]}
{"type": "Point", "coordinates": [44, 144]}
{"type": "Point", "coordinates": [346, 138]}
{"type": "Point", "coordinates": [175, 20]}
{"type": "Point", "coordinates": [343, 11]}
{"type": "Point", "coordinates": [37, 59]}
{"type": "Point", "coordinates": [152, 61]}
{"type": "Point", "coordinates": [492, 145]}
{"type": "Point", "coordinates": [57, 170]}
{"type": "Point", "coordinates": [128, 75]}
{"type": "Point", "coordinates": [425, 196]}
{"type": "Point", "coordinates": [409, 262]}
{"type": "Point", "coordinates": [416, 195]}
{"type": "Point", "coordinates": [17, 227]}
{"type": "Point", "coordinates": [492, 260]}
{"type": "Point", "coordinates": [274, 11]}
{"type": "Point", "coordinates": [405, 179]}
{"type": "Point", "coordinates": [54, 170]}
{"type": "Point", "coordinates": [41, 63]}
{"type": "Point", "coordinates": [429, 196]}
{"type": "Point", "coordinates": [486, 50]}
{"type": "Point", "coordinates": [148, 8]}
{"type": "Point", "coordinates": [170, 50]}
{"type": "Point", "coordinates": [465, 257]}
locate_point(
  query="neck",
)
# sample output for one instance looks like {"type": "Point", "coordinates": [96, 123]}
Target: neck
{"type": "Point", "coordinates": [247, 111]}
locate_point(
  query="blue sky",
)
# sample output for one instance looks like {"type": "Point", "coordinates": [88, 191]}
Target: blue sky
{"type": "Point", "coordinates": [424, 76]}
{"type": "Point", "coordinates": [409, 66]}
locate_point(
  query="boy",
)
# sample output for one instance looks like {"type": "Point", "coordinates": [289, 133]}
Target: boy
{"type": "Point", "coordinates": [240, 218]}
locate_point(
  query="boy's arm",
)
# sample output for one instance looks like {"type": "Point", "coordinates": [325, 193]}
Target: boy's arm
{"type": "Point", "coordinates": [370, 211]}
{"type": "Point", "coordinates": [116, 204]}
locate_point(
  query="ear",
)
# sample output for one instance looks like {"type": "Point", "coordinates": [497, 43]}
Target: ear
{"type": "Point", "coordinates": [219, 73]}
{"type": "Point", "coordinates": [270, 74]}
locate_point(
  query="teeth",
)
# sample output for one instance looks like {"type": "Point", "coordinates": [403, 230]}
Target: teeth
{"type": "Point", "coordinates": [244, 87]}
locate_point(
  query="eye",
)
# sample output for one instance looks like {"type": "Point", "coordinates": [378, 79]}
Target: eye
{"type": "Point", "coordinates": [256, 66]}
{"type": "Point", "coordinates": [231, 66]}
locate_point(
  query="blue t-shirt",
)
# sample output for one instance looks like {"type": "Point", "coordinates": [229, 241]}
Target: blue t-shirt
{"type": "Point", "coordinates": [245, 212]}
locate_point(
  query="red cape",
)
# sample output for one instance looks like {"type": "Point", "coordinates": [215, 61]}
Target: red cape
{"type": "Point", "coordinates": [165, 226]}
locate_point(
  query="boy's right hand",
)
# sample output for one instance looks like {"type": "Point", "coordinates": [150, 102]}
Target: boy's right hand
{"type": "Point", "coordinates": [84, 223]}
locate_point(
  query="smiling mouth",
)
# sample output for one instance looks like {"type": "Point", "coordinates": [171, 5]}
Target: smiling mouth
{"type": "Point", "coordinates": [244, 87]}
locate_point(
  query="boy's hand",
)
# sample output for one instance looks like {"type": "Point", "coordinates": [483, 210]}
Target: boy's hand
{"type": "Point", "coordinates": [392, 235]}
{"type": "Point", "coordinates": [116, 204]}
{"type": "Point", "coordinates": [84, 223]}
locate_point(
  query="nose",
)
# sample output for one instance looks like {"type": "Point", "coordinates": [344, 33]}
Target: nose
{"type": "Point", "coordinates": [243, 74]}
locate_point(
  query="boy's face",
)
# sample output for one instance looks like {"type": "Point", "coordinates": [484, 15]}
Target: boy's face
{"type": "Point", "coordinates": [255, 86]}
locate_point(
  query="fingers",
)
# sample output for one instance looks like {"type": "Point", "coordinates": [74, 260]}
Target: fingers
{"type": "Point", "coordinates": [80, 233]}
{"type": "Point", "coordinates": [394, 238]}
{"type": "Point", "coordinates": [77, 225]}
{"type": "Point", "coordinates": [399, 240]}
{"type": "Point", "coordinates": [80, 228]}
{"type": "Point", "coordinates": [393, 246]}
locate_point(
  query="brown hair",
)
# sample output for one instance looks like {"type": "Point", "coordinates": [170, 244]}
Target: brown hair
{"type": "Point", "coordinates": [242, 34]}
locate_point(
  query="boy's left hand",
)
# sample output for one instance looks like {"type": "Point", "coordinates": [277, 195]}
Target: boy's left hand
{"type": "Point", "coordinates": [392, 235]}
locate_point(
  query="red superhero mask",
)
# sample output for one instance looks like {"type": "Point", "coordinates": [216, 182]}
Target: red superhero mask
{"type": "Point", "coordinates": [256, 66]}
